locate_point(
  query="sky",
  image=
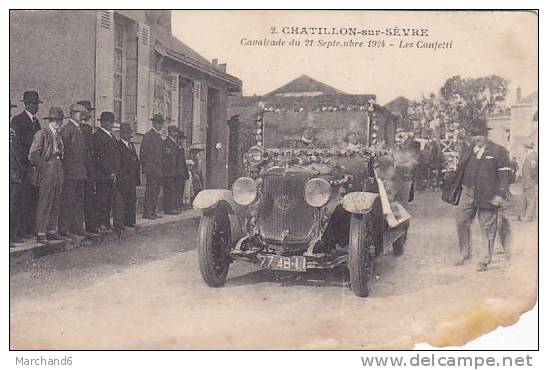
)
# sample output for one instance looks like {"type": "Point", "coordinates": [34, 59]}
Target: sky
{"type": "Point", "coordinates": [484, 43]}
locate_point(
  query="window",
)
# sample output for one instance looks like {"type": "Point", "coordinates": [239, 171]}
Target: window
{"type": "Point", "coordinates": [119, 70]}
{"type": "Point", "coordinates": [186, 103]}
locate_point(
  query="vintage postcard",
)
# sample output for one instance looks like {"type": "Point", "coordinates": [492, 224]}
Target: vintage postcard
{"type": "Point", "coordinates": [268, 179]}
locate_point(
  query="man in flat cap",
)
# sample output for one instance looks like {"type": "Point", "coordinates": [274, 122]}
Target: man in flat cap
{"type": "Point", "coordinates": [25, 125]}
{"type": "Point", "coordinates": [90, 216]}
{"type": "Point", "coordinates": [15, 183]}
{"type": "Point", "coordinates": [484, 168]}
{"type": "Point", "coordinates": [529, 177]}
{"type": "Point", "coordinates": [107, 168]}
{"type": "Point", "coordinates": [124, 209]}
{"type": "Point", "coordinates": [152, 158]}
{"type": "Point", "coordinates": [45, 153]}
{"type": "Point", "coordinates": [71, 222]}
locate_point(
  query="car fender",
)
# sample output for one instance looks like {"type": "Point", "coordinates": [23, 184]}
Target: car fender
{"type": "Point", "coordinates": [359, 202]}
{"type": "Point", "coordinates": [210, 199]}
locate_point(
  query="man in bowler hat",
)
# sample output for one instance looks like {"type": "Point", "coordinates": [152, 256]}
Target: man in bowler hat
{"type": "Point", "coordinates": [125, 194]}
{"type": "Point", "coordinates": [45, 153]}
{"type": "Point", "coordinates": [90, 216]}
{"type": "Point", "coordinates": [152, 157]}
{"type": "Point", "coordinates": [25, 125]}
{"type": "Point", "coordinates": [15, 183]}
{"type": "Point", "coordinates": [71, 222]}
{"type": "Point", "coordinates": [484, 168]}
{"type": "Point", "coordinates": [107, 168]}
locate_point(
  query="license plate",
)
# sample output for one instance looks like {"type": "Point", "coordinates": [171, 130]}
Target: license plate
{"type": "Point", "coordinates": [275, 262]}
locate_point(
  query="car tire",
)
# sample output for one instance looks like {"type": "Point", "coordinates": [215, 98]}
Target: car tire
{"type": "Point", "coordinates": [214, 247]}
{"type": "Point", "coordinates": [358, 254]}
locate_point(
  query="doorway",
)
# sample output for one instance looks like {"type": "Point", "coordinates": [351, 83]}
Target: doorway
{"type": "Point", "coordinates": [213, 167]}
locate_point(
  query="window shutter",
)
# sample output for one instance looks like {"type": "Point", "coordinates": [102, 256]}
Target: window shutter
{"type": "Point", "coordinates": [104, 61]}
{"type": "Point", "coordinates": [143, 71]}
{"type": "Point", "coordinates": [174, 77]}
{"type": "Point", "coordinates": [196, 113]}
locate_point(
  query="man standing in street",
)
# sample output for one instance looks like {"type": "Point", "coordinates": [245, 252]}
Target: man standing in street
{"type": "Point", "coordinates": [169, 171]}
{"type": "Point", "coordinates": [45, 154]}
{"type": "Point", "coordinates": [107, 168]}
{"type": "Point", "coordinates": [15, 183]}
{"type": "Point", "coordinates": [25, 125]}
{"type": "Point", "coordinates": [484, 168]}
{"type": "Point", "coordinates": [126, 185]}
{"type": "Point", "coordinates": [529, 176]}
{"type": "Point", "coordinates": [90, 211]}
{"type": "Point", "coordinates": [181, 174]}
{"type": "Point", "coordinates": [152, 157]}
{"type": "Point", "coordinates": [71, 222]}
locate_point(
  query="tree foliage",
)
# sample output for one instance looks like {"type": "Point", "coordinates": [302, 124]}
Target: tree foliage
{"type": "Point", "coordinates": [459, 101]}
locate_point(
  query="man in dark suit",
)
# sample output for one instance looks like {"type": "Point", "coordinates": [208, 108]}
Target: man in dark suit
{"type": "Point", "coordinates": [25, 125]}
{"type": "Point", "coordinates": [170, 171]}
{"type": "Point", "coordinates": [107, 168]}
{"type": "Point", "coordinates": [181, 174]}
{"type": "Point", "coordinates": [71, 221]}
{"type": "Point", "coordinates": [15, 183]}
{"type": "Point", "coordinates": [90, 216]}
{"type": "Point", "coordinates": [484, 168]}
{"type": "Point", "coordinates": [125, 195]}
{"type": "Point", "coordinates": [152, 157]}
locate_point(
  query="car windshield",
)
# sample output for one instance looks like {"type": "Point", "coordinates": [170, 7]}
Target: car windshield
{"type": "Point", "coordinates": [319, 130]}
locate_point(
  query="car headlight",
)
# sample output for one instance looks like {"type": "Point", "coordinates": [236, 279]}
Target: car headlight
{"type": "Point", "coordinates": [317, 192]}
{"type": "Point", "coordinates": [255, 155]}
{"type": "Point", "coordinates": [244, 191]}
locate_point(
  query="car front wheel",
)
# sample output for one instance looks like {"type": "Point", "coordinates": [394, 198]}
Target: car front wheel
{"type": "Point", "coordinates": [360, 240]}
{"type": "Point", "coordinates": [214, 247]}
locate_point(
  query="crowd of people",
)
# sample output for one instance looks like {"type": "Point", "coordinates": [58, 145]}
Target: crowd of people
{"type": "Point", "coordinates": [70, 178]}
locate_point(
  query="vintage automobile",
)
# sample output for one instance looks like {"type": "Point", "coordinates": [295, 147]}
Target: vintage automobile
{"type": "Point", "coordinates": [302, 207]}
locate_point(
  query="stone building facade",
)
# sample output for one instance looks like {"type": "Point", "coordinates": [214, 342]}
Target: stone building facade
{"type": "Point", "coordinates": [128, 62]}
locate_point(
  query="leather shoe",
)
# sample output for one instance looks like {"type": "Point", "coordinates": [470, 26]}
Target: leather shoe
{"type": "Point", "coordinates": [482, 267]}
{"type": "Point", "coordinates": [67, 235]}
{"type": "Point", "coordinates": [54, 236]}
{"type": "Point", "coordinates": [40, 238]}
{"type": "Point", "coordinates": [149, 217]}
{"type": "Point", "coordinates": [172, 213]}
{"type": "Point", "coordinates": [16, 239]}
{"type": "Point", "coordinates": [157, 216]}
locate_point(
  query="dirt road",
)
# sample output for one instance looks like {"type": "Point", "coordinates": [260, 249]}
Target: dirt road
{"type": "Point", "coordinates": [147, 293]}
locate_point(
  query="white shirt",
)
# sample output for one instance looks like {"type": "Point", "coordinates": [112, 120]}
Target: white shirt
{"type": "Point", "coordinates": [125, 143]}
{"type": "Point", "coordinates": [53, 127]}
{"type": "Point", "coordinates": [106, 131]}
{"type": "Point", "coordinates": [479, 151]}
{"type": "Point", "coordinates": [31, 116]}
{"type": "Point", "coordinates": [74, 122]}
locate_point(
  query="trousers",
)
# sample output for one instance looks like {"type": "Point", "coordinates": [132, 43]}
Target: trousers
{"type": "Point", "coordinates": [490, 220]}
{"type": "Point", "coordinates": [152, 191]}
{"type": "Point", "coordinates": [104, 193]}
{"type": "Point", "coordinates": [124, 206]}
{"type": "Point", "coordinates": [49, 198]}
{"type": "Point", "coordinates": [72, 211]}
{"type": "Point", "coordinates": [169, 196]}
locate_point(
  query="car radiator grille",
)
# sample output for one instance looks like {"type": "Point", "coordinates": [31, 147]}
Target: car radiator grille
{"type": "Point", "coordinates": [284, 208]}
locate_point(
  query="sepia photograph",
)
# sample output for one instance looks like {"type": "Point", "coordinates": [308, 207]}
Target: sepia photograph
{"type": "Point", "coordinates": [271, 179]}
